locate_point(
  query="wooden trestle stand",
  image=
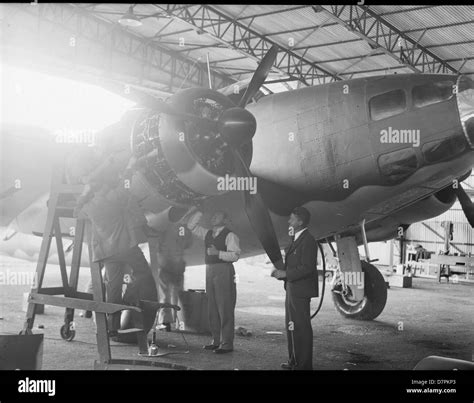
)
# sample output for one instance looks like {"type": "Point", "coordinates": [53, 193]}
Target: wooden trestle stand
{"type": "Point", "coordinates": [60, 205]}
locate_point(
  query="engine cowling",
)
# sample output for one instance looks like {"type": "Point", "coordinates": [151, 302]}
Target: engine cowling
{"type": "Point", "coordinates": [429, 207]}
{"type": "Point", "coordinates": [183, 160]}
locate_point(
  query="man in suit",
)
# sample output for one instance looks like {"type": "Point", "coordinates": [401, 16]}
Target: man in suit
{"type": "Point", "coordinates": [221, 250]}
{"type": "Point", "coordinates": [301, 284]}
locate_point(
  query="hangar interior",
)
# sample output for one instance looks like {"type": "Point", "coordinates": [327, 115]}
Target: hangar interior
{"type": "Point", "coordinates": [169, 46]}
{"type": "Point", "coordinates": [140, 51]}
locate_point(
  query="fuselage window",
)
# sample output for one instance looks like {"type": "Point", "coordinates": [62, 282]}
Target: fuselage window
{"type": "Point", "coordinates": [389, 104]}
{"type": "Point", "coordinates": [432, 93]}
{"type": "Point", "coordinates": [398, 165]}
{"type": "Point", "coordinates": [446, 149]}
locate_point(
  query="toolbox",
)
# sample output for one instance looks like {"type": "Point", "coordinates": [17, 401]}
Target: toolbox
{"type": "Point", "coordinates": [193, 315]}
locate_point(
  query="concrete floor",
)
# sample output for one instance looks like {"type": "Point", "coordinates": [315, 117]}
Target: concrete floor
{"type": "Point", "coordinates": [428, 319]}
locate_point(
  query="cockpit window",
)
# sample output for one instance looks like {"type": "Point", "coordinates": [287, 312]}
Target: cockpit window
{"type": "Point", "coordinates": [398, 165]}
{"type": "Point", "coordinates": [389, 104]}
{"type": "Point", "coordinates": [442, 150]}
{"type": "Point", "coordinates": [432, 93]}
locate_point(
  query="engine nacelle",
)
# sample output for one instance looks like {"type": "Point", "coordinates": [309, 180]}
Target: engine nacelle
{"type": "Point", "coordinates": [182, 159]}
{"type": "Point", "coordinates": [427, 208]}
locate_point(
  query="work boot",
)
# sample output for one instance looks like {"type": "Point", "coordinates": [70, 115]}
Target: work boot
{"type": "Point", "coordinates": [287, 365]}
{"type": "Point", "coordinates": [164, 326]}
{"type": "Point", "coordinates": [223, 350]}
{"type": "Point", "coordinates": [210, 347]}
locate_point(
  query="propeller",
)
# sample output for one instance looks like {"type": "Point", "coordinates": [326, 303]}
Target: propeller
{"type": "Point", "coordinates": [466, 204]}
{"type": "Point", "coordinates": [237, 126]}
{"type": "Point", "coordinates": [259, 76]}
{"type": "Point", "coordinates": [259, 217]}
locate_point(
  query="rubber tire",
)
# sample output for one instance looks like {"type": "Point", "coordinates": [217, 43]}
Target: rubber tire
{"type": "Point", "coordinates": [66, 333]}
{"type": "Point", "coordinates": [374, 300]}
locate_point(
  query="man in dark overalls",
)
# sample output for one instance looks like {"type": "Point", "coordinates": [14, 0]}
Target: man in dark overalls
{"type": "Point", "coordinates": [221, 249]}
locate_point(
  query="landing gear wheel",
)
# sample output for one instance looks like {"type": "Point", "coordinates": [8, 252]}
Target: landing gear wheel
{"type": "Point", "coordinates": [374, 300]}
{"type": "Point", "coordinates": [66, 332]}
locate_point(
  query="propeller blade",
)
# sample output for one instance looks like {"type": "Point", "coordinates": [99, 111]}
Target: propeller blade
{"type": "Point", "coordinates": [259, 216]}
{"type": "Point", "coordinates": [466, 204]}
{"type": "Point", "coordinates": [259, 76]}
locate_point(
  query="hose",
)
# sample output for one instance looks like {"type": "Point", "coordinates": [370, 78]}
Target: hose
{"type": "Point", "coordinates": [324, 281]}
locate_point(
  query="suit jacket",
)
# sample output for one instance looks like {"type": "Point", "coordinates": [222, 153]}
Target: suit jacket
{"type": "Point", "coordinates": [301, 267]}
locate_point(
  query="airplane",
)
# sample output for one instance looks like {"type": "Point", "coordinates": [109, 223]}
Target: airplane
{"type": "Point", "coordinates": [367, 157]}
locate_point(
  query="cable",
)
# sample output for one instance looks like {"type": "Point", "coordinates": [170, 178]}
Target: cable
{"type": "Point", "coordinates": [324, 281]}
{"type": "Point", "coordinates": [182, 334]}
{"type": "Point", "coordinates": [178, 330]}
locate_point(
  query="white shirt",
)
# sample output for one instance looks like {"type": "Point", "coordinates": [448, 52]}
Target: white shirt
{"type": "Point", "coordinates": [231, 241]}
{"type": "Point", "coordinates": [299, 233]}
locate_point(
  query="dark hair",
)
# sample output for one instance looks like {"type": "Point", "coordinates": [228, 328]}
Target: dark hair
{"type": "Point", "coordinates": [303, 214]}
{"type": "Point", "coordinates": [224, 213]}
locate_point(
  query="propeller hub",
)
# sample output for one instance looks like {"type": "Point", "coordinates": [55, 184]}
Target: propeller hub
{"type": "Point", "coordinates": [237, 125]}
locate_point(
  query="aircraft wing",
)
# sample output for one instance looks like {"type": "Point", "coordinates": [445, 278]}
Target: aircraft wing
{"type": "Point", "coordinates": [28, 155]}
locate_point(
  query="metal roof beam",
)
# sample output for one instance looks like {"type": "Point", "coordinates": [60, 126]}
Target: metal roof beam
{"type": "Point", "coordinates": [335, 23]}
{"type": "Point", "coordinates": [341, 59]}
{"type": "Point", "coordinates": [350, 74]}
{"type": "Point", "coordinates": [410, 31]}
{"type": "Point", "coordinates": [380, 34]}
{"type": "Point", "coordinates": [80, 43]}
{"type": "Point", "coordinates": [231, 59]}
{"type": "Point", "coordinates": [270, 13]}
{"type": "Point", "coordinates": [249, 42]}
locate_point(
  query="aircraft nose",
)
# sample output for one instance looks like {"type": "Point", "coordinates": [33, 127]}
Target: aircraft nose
{"type": "Point", "coordinates": [465, 100]}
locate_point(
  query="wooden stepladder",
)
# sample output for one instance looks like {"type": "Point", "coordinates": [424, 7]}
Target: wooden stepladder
{"type": "Point", "coordinates": [61, 205]}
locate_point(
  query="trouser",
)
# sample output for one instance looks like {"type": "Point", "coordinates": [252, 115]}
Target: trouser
{"type": "Point", "coordinates": [169, 287]}
{"type": "Point", "coordinates": [222, 295]}
{"type": "Point", "coordinates": [299, 331]}
{"type": "Point", "coordinates": [141, 288]}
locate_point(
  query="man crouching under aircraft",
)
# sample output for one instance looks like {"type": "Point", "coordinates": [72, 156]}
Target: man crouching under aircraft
{"type": "Point", "coordinates": [117, 224]}
{"type": "Point", "coordinates": [301, 284]}
{"type": "Point", "coordinates": [221, 249]}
